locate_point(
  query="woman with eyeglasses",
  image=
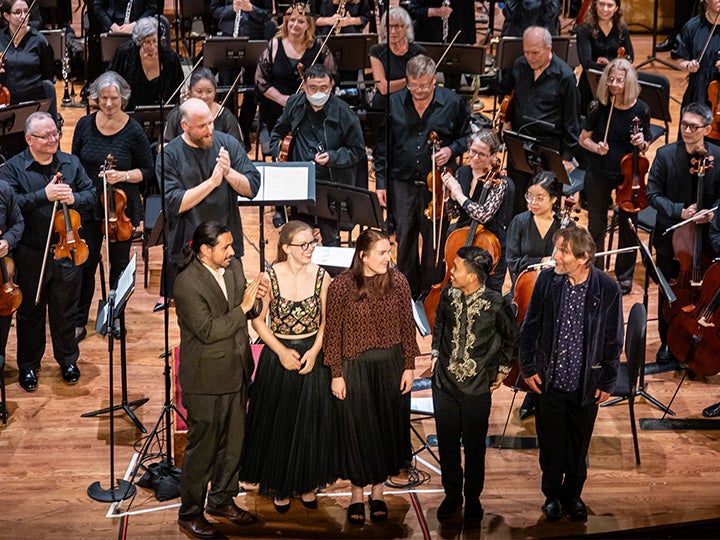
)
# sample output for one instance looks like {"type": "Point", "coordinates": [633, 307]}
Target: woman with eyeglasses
{"type": "Point", "coordinates": [479, 193]}
{"type": "Point", "coordinates": [110, 130]}
{"type": "Point", "coordinates": [370, 347]}
{"type": "Point", "coordinates": [599, 38]}
{"type": "Point", "coordinates": [290, 447]}
{"type": "Point", "coordinates": [139, 61]}
{"type": "Point", "coordinates": [607, 144]}
{"type": "Point", "coordinates": [402, 49]}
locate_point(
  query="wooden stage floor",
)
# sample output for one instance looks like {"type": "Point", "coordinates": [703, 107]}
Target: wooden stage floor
{"type": "Point", "coordinates": [50, 455]}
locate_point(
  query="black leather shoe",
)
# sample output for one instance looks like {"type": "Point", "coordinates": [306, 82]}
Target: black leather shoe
{"type": "Point", "coordinates": [233, 513]}
{"type": "Point", "coordinates": [712, 411]}
{"type": "Point", "coordinates": [199, 527]}
{"type": "Point", "coordinates": [281, 508]}
{"type": "Point", "coordinates": [552, 509]}
{"type": "Point", "coordinates": [667, 45]}
{"type": "Point", "coordinates": [473, 510]}
{"type": "Point", "coordinates": [664, 356]}
{"type": "Point", "coordinates": [449, 507]}
{"type": "Point", "coordinates": [526, 413]}
{"type": "Point", "coordinates": [625, 287]}
{"type": "Point", "coordinates": [71, 373]}
{"type": "Point", "coordinates": [278, 219]}
{"type": "Point", "coordinates": [28, 380]}
{"type": "Point", "coordinates": [576, 509]}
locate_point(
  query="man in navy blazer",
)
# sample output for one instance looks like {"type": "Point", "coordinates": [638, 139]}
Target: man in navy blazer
{"type": "Point", "coordinates": [570, 345]}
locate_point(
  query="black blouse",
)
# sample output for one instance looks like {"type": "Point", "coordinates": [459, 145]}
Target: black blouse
{"type": "Point", "coordinates": [26, 66]}
{"type": "Point", "coordinates": [397, 65]}
{"type": "Point", "coordinates": [524, 244]}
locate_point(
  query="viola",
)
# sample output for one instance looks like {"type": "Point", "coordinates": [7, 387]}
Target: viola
{"type": "Point", "coordinates": [10, 295]}
{"type": "Point", "coordinates": [284, 153]}
{"type": "Point", "coordinates": [694, 334]}
{"type": "Point", "coordinates": [434, 181]}
{"type": "Point", "coordinates": [504, 112]}
{"type": "Point", "coordinates": [116, 225]}
{"type": "Point", "coordinates": [688, 242]}
{"type": "Point", "coordinates": [713, 92]}
{"type": "Point", "coordinates": [631, 195]}
{"type": "Point", "coordinates": [472, 235]}
{"type": "Point", "coordinates": [66, 224]}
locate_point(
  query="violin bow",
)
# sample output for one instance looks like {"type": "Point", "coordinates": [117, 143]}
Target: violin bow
{"type": "Point", "coordinates": [20, 27]}
{"type": "Point", "coordinates": [710, 35]}
{"type": "Point", "coordinates": [108, 163]}
{"type": "Point", "coordinates": [447, 50]}
{"type": "Point", "coordinates": [200, 59]}
{"type": "Point", "coordinates": [230, 92]}
{"type": "Point", "coordinates": [322, 46]}
{"type": "Point", "coordinates": [58, 175]}
{"type": "Point", "coordinates": [607, 126]}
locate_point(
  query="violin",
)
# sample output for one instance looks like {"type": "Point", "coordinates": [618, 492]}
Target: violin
{"type": "Point", "coordinates": [504, 112]}
{"type": "Point", "coordinates": [713, 92]}
{"type": "Point", "coordinates": [473, 235]}
{"type": "Point", "coordinates": [694, 334]}
{"type": "Point", "coordinates": [116, 225]}
{"type": "Point", "coordinates": [434, 181]}
{"type": "Point", "coordinates": [284, 153]}
{"type": "Point", "coordinates": [630, 196]}
{"type": "Point", "coordinates": [688, 251]}
{"type": "Point", "coordinates": [66, 224]}
{"type": "Point", "coordinates": [10, 295]}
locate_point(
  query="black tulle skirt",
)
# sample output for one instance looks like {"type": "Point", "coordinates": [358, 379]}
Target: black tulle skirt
{"type": "Point", "coordinates": [290, 445]}
{"type": "Point", "coordinates": [374, 418]}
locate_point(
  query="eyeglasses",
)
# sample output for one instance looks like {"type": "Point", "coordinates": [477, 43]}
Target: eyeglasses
{"type": "Point", "coordinates": [472, 153]}
{"type": "Point", "coordinates": [306, 245]}
{"type": "Point", "coordinates": [415, 86]}
{"type": "Point", "coordinates": [397, 26]}
{"type": "Point", "coordinates": [692, 127]}
{"type": "Point", "coordinates": [54, 135]}
{"type": "Point", "coordinates": [149, 42]}
{"type": "Point", "coordinates": [618, 80]}
{"type": "Point", "coordinates": [529, 197]}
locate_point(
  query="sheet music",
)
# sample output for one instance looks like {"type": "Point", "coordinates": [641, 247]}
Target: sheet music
{"type": "Point", "coordinates": [284, 183]}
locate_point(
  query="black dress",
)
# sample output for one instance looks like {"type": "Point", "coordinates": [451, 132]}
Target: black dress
{"type": "Point", "coordinates": [290, 445]}
{"type": "Point", "coordinates": [525, 246]}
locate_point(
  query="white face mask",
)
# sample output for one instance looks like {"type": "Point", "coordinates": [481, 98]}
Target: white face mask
{"type": "Point", "coordinates": [318, 99]}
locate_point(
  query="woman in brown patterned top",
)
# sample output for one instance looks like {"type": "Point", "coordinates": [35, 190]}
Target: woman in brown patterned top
{"type": "Point", "coordinates": [290, 448]}
{"type": "Point", "coordinates": [370, 346]}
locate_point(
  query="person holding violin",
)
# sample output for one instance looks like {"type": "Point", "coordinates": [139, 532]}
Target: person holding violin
{"type": "Point", "coordinates": [418, 110]}
{"type": "Point", "coordinates": [32, 175]}
{"type": "Point", "coordinates": [139, 61]}
{"type": "Point", "coordinates": [672, 191]}
{"type": "Point", "coordinates": [479, 193]}
{"type": "Point", "coordinates": [544, 106]}
{"type": "Point", "coordinates": [325, 130]}
{"type": "Point", "coordinates": [465, 374]}
{"type": "Point", "coordinates": [608, 136]}
{"type": "Point", "coordinates": [570, 345]}
{"type": "Point", "coordinates": [402, 47]}
{"type": "Point", "coordinates": [696, 53]}
{"type": "Point", "coordinates": [600, 39]}
{"type": "Point", "coordinates": [110, 132]}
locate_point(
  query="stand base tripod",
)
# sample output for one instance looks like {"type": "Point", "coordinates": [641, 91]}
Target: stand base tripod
{"type": "Point", "coordinates": [123, 490]}
{"type": "Point", "coordinates": [641, 393]}
{"type": "Point", "coordinates": [128, 407]}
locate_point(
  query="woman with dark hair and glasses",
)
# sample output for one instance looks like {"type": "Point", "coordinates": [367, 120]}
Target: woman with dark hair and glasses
{"type": "Point", "coordinates": [370, 347]}
{"type": "Point", "coordinates": [290, 448]}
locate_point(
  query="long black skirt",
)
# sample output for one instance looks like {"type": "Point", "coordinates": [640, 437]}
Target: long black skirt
{"type": "Point", "coordinates": [290, 443]}
{"type": "Point", "coordinates": [374, 417]}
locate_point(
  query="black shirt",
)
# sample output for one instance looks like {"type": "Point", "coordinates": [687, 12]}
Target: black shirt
{"type": "Point", "coordinates": [308, 138]}
{"type": "Point", "coordinates": [327, 8]}
{"type": "Point", "coordinates": [690, 42]}
{"type": "Point", "coordinates": [524, 244]}
{"type": "Point", "coordinates": [411, 158]}
{"type": "Point", "coordinates": [12, 223]}
{"type": "Point", "coordinates": [552, 98]}
{"type": "Point", "coordinates": [397, 66]}
{"type": "Point", "coordinates": [26, 66]}
{"type": "Point", "coordinates": [106, 12]}
{"type": "Point", "coordinates": [252, 24]}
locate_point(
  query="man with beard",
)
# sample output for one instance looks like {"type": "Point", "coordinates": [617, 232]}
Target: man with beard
{"type": "Point", "coordinates": [204, 173]}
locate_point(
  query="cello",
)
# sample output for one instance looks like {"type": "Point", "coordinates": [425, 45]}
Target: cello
{"type": "Point", "coordinates": [694, 334]}
{"type": "Point", "coordinates": [10, 295]}
{"type": "Point", "coordinates": [630, 195]}
{"type": "Point", "coordinates": [473, 235]}
{"type": "Point", "coordinates": [116, 225]}
{"type": "Point", "coordinates": [688, 250]}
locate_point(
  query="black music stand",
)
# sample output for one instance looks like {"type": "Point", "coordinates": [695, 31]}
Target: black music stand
{"type": "Point", "coordinates": [110, 42]}
{"type": "Point", "coordinates": [461, 58]}
{"type": "Point", "coordinates": [511, 48]}
{"type": "Point", "coordinates": [371, 123]}
{"type": "Point", "coordinates": [351, 51]}
{"type": "Point", "coordinates": [117, 300]}
{"type": "Point", "coordinates": [653, 54]}
{"type": "Point", "coordinates": [56, 40]}
{"type": "Point", "coordinates": [529, 157]}
{"type": "Point", "coordinates": [345, 204]}
{"type": "Point", "coordinates": [226, 52]}
{"type": "Point", "coordinates": [12, 119]}
{"type": "Point", "coordinates": [152, 120]}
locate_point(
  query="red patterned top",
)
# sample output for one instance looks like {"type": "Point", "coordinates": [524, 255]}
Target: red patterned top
{"type": "Point", "coordinates": [375, 322]}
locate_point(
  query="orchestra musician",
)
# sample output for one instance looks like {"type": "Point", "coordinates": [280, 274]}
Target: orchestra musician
{"type": "Point", "coordinates": [325, 130]}
{"type": "Point", "coordinates": [207, 189]}
{"type": "Point", "coordinates": [357, 15]}
{"type": "Point", "coordinates": [570, 345]}
{"type": "Point", "coordinates": [475, 195]}
{"type": "Point", "coordinates": [599, 38]}
{"type": "Point", "coordinates": [691, 44]}
{"type": "Point", "coordinates": [518, 15]}
{"type": "Point", "coordinates": [465, 373]}
{"type": "Point", "coordinates": [32, 176]}
{"type": "Point", "coordinates": [139, 61]}
{"type": "Point", "coordinates": [110, 130]}
{"type": "Point", "coordinates": [608, 143]}
{"type": "Point", "coordinates": [429, 17]}
{"type": "Point", "coordinates": [401, 41]}
{"type": "Point", "coordinates": [545, 105]}
{"type": "Point", "coordinates": [672, 191]}
{"type": "Point", "coordinates": [683, 12]}
{"type": "Point", "coordinates": [420, 108]}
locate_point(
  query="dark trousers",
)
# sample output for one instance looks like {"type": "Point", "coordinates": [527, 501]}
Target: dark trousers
{"type": "Point", "coordinates": [564, 428]}
{"type": "Point", "coordinates": [598, 194]}
{"type": "Point", "coordinates": [60, 293]}
{"type": "Point", "coordinates": [119, 259]}
{"type": "Point", "coordinates": [216, 428]}
{"type": "Point", "coordinates": [5, 323]}
{"type": "Point", "coordinates": [667, 265]}
{"type": "Point", "coordinates": [409, 201]}
{"type": "Point", "coordinates": [463, 417]}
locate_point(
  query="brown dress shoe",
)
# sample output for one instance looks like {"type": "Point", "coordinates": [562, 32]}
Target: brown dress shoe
{"type": "Point", "coordinates": [232, 512]}
{"type": "Point", "coordinates": [199, 527]}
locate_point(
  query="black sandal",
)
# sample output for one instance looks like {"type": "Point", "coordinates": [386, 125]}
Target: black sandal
{"type": "Point", "coordinates": [354, 511]}
{"type": "Point", "coordinates": [378, 509]}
